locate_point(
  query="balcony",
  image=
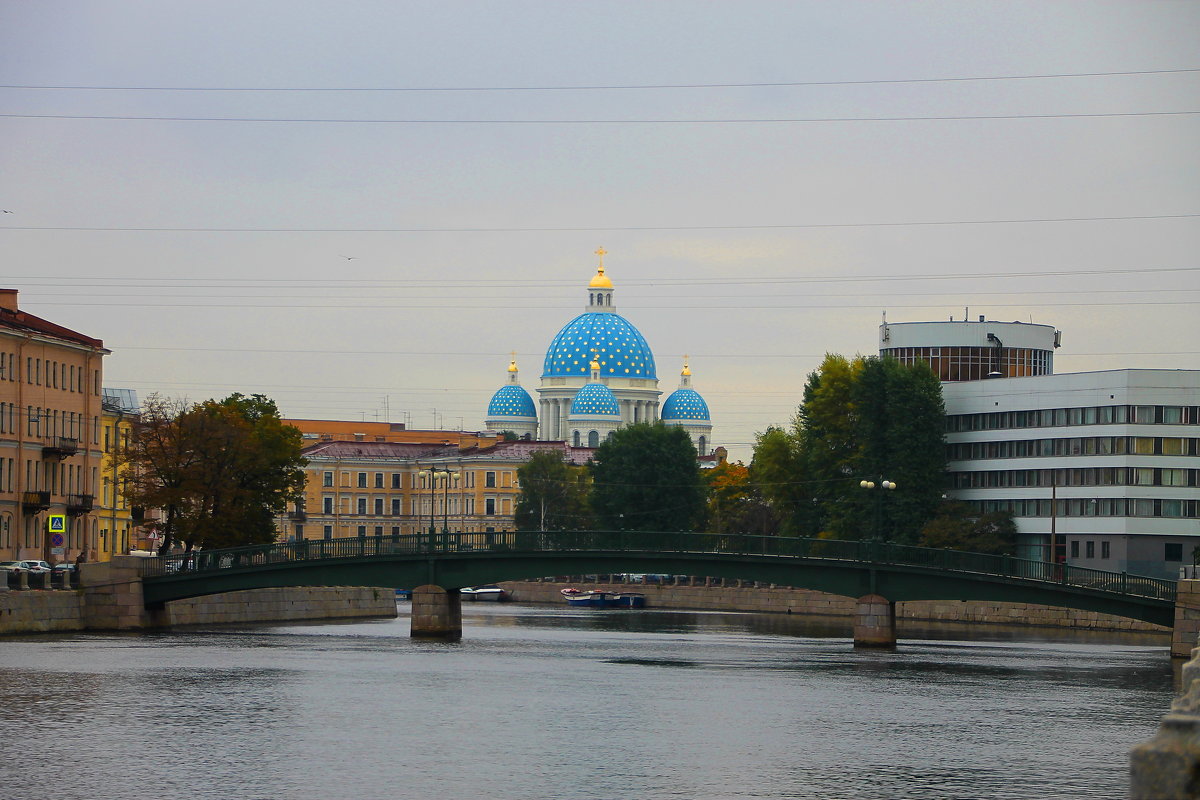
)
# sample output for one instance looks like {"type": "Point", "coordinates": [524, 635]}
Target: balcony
{"type": "Point", "coordinates": [297, 516]}
{"type": "Point", "coordinates": [80, 503]}
{"type": "Point", "coordinates": [60, 447]}
{"type": "Point", "coordinates": [35, 501]}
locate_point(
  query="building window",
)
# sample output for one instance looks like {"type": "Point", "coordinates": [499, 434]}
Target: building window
{"type": "Point", "coordinates": [327, 505]}
{"type": "Point", "coordinates": [396, 480]}
{"type": "Point", "coordinates": [378, 480]}
{"type": "Point", "coordinates": [327, 532]}
{"type": "Point", "coordinates": [1104, 550]}
{"type": "Point", "coordinates": [362, 531]}
{"type": "Point", "coordinates": [1091, 550]}
{"type": "Point", "coordinates": [593, 438]}
{"type": "Point", "coordinates": [327, 479]}
{"type": "Point", "coordinates": [490, 480]}
{"type": "Point", "coordinates": [379, 530]}
{"type": "Point", "coordinates": [362, 480]}
{"type": "Point", "coordinates": [1074, 548]}
{"type": "Point", "coordinates": [396, 511]}
{"type": "Point", "coordinates": [489, 506]}
{"type": "Point", "coordinates": [362, 505]}
{"type": "Point", "coordinates": [379, 506]}
{"type": "Point", "coordinates": [1173, 551]}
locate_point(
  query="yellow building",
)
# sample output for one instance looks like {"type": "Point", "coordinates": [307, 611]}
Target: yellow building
{"type": "Point", "coordinates": [50, 457]}
{"type": "Point", "coordinates": [363, 488]}
{"type": "Point", "coordinates": [118, 532]}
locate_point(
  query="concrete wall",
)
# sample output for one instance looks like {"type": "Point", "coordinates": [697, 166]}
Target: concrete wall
{"type": "Point", "coordinates": [46, 611]}
{"type": "Point", "coordinates": [781, 600]}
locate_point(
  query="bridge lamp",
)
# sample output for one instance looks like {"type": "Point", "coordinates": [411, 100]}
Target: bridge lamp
{"type": "Point", "coordinates": [450, 474]}
{"type": "Point", "coordinates": [883, 485]}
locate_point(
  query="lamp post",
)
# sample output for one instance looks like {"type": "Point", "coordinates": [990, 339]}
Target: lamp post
{"type": "Point", "coordinates": [882, 485]}
{"type": "Point", "coordinates": [433, 472]}
{"type": "Point", "coordinates": [446, 499]}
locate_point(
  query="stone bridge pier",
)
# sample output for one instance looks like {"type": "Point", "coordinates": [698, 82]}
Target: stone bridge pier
{"type": "Point", "coordinates": [874, 622]}
{"type": "Point", "coordinates": [436, 613]}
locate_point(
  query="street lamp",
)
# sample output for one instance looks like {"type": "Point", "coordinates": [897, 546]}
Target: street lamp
{"type": "Point", "coordinates": [433, 472]}
{"type": "Point", "coordinates": [882, 485]}
{"type": "Point", "coordinates": [446, 498]}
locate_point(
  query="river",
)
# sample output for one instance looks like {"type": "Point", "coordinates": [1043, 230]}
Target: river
{"type": "Point", "coordinates": [549, 702]}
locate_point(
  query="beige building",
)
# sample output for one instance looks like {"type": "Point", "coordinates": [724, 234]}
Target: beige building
{"type": "Point", "coordinates": [50, 454]}
{"type": "Point", "coordinates": [363, 488]}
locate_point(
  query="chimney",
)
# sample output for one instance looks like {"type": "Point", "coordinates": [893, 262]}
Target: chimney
{"type": "Point", "coordinates": [8, 299]}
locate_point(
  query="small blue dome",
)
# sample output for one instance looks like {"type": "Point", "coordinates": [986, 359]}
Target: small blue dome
{"type": "Point", "coordinates": [511, 401]}
{"type": "Point", "coordinates": [620, 348]}
{"type": "Point", "coordinates": [595, 400]}
{"type": "Point", "coordinates": [684, 404]}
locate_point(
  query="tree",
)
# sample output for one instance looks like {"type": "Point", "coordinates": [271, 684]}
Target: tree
{"type": "Point", "coordinates": [219, 470]}
{"type": "Point", "coordinates": [645, 477]}
{"type": "Point", "coordinates": [955, 529]}
{"type": "Point", "coordinates": [553, 494]}
{"type": "Point", "coordinates": [868, 419]}
{"type": "Point", "coordinates": [735, 504]}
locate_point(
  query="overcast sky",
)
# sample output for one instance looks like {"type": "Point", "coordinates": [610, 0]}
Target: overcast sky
{"type": "Point", "coordinates": [766, 177]}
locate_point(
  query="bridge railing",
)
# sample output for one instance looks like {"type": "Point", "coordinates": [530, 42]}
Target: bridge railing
{"type": "Point", "coordinates": [435, 543]}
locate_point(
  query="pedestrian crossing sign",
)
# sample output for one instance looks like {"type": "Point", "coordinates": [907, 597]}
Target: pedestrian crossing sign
{"type": "Point", "coordinates": [56, 523]}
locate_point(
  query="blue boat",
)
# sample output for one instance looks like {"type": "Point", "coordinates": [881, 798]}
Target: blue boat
{"type": "Point", "coordinates": [597, 599]}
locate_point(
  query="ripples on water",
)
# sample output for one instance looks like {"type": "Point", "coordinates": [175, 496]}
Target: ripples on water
{"type": "Point", "coordinates": [548, 702]}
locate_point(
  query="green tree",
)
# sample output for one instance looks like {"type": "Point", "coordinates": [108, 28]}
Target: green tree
{"type": "Point", "coordinates": [867, 419]}
{"type": "Point", "coordinates": [645, 477]}
{"type": "Point", "coordinates": [220, 470]}
{"type": "Point", "coordinates": [955, 528]}
{"type": "Point", "coordinates": [554, 494]}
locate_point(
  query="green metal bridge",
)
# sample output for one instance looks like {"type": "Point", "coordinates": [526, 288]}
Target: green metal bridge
{"type": "Point", "coordinates": [848, 568]}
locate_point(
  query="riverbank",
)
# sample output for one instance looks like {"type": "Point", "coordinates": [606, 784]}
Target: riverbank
{"type": "Point", "coordinates": [747, 596]}
{"type": "Point", "coordinates": [42, 611]}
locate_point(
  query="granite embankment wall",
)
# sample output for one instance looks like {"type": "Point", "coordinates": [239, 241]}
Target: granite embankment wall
{"type": "Point", "coordinates": [785, 600]}
{"type": "Point", "coordinates": [37, 611]}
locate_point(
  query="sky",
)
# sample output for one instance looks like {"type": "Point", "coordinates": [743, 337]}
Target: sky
{"type": "Point", "coordinates": [360, 208]}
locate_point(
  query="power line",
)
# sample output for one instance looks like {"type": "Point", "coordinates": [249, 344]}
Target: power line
{"type": "Point", "coordinates": [491, 354]}
{"type": "Point", "coordinates": [716, 305]}
{"type": "Point", "coordinates": [731, 121]}
{"type": "Point", "coordinates": [601, 229]}
{"type": "Point", "coordinates": [609, 87]}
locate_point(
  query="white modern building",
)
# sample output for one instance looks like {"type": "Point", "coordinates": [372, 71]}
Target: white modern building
{"type": "Point", "coordinates": [1106, 464]}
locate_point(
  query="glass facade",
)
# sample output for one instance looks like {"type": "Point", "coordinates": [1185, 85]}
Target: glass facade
{"type": "Point", "coordinates": [953, 364]}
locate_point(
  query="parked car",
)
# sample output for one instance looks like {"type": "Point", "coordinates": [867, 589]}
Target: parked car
{"type": "Point", "coordinates": [14, 566]}
{"type": "Point", "coordinates": [64, 566]}
{"type": "Point", "coordinates": [38, 566]}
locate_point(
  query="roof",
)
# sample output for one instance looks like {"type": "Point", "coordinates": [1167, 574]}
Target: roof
{"type": "Point", "coordinates": [379, 450]}
{"type": "Point", "coordinates": [24, 322]}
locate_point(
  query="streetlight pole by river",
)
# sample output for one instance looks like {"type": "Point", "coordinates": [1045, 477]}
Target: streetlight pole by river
{"type": "Point", "coordinates": [882, 486]}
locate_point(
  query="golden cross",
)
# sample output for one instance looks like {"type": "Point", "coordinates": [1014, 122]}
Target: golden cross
{"type": "Point", "coordinates": [602, 253]}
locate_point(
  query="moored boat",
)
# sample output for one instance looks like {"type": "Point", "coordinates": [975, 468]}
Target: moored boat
{"type": "Point", "coordinates": [597, 599]}
{"type": "Point", "coordinates": [487, 594]}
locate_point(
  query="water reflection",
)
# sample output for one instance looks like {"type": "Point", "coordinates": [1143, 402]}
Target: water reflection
{"type": "Point", "coordinates": [543, 702]}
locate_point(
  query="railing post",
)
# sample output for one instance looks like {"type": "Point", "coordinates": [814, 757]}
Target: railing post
{"type": "Point", "coordinates": [1124, 582]}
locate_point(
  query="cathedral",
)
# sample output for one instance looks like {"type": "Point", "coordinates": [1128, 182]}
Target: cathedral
{"type": "Point", "coordinates": [598, 376]}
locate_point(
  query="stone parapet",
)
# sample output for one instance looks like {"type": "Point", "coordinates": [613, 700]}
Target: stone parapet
{"type": "Point", "coordinates": [40, 611]}
{"type": "Point", "coordinates": [786, 600]}
{"type": "Point", "coordinates": [282, 605]}
{"type": "Point", "coordinates": [1187, 618]}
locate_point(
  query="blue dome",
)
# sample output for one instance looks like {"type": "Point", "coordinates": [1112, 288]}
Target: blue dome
{"type": "Point", "coordinates": [511, 401]}
{"type": "Point", "coordinates": [620, 348]}
{"type": "Point", "coordinates": [595, 400]}
{"type": "Point", "coordinates": [684, 404]}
